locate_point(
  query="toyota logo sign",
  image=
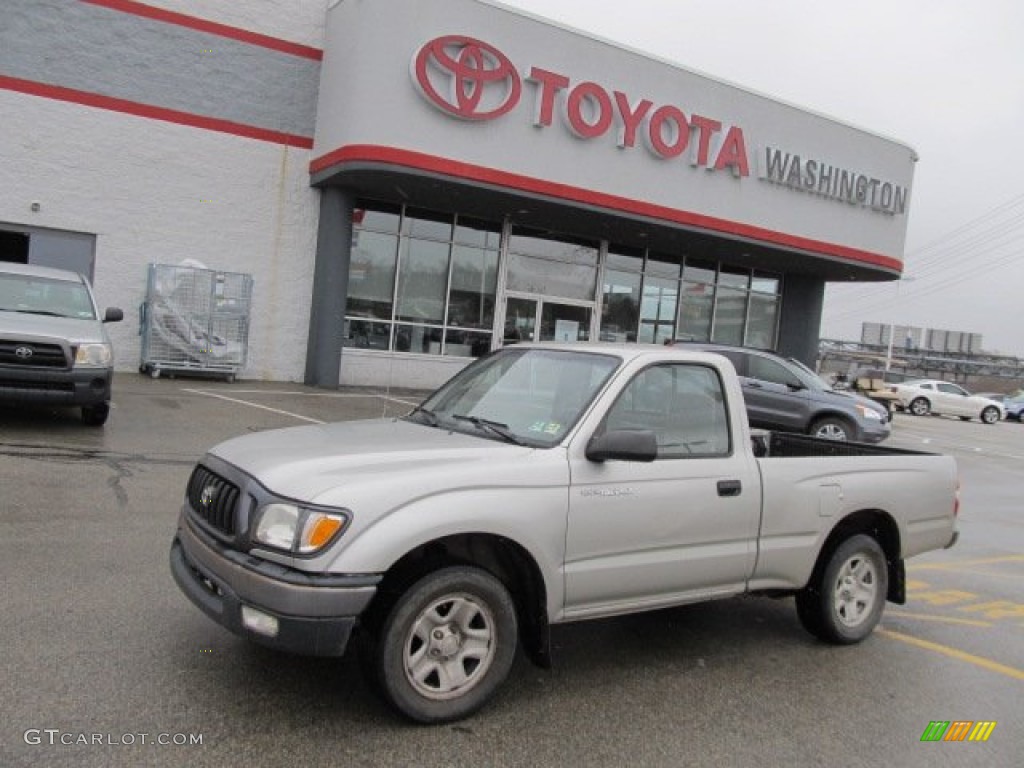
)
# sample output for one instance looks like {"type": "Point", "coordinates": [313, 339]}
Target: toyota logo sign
{"type": "Point", "coordinates": [23, 352]}
{"type": "Point", "coordinates": [466, 78]}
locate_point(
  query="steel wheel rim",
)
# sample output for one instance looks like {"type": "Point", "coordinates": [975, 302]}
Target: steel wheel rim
{"type": "Point", "coordinates": [919, 408]}
{"type": "Point", "coordinates": [449, 647]}
{"type": "Point", "coordinates": [832, 432]}
{"type": "Point", "coordinates": [989, 415]}
{"type": "Point", "coordinates": [856, 590]}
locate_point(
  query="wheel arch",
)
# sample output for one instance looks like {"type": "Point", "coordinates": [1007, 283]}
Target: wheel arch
{"type": "Point", "coordinates": [880, 526]}
{"type": "Point", "coordinates": [829, 413]}
{"type": "Point", "coordinates": [503, 558]}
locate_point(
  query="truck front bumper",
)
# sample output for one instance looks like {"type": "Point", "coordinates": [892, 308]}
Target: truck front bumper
{"type": "Point", "coordinates": [81, 386]}
{"type": "Point", "coordinates": [272, 605]}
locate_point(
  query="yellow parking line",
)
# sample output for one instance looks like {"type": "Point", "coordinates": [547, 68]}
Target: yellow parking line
{"type": "Point", "coordinates": [955, 565]}
{"type": "Point", "coordinates": [956, 653]}
{"type": "Point", "coordinates": [944, 619]}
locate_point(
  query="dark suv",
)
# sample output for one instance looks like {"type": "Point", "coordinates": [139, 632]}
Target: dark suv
{"type": "Point", "coordinates": [783, 394]}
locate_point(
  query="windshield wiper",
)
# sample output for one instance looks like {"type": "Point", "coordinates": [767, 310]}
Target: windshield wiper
{"type": "Point", "coordinates": [494, 427]}
{"type": "Point", "coordinates": [426, 413]}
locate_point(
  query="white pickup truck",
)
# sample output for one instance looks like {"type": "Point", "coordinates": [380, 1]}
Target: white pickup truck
{"type": "Point", "coordinates": [543, 484]}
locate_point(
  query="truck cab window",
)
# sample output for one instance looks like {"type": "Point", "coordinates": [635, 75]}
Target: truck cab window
{"type": "Point", "coordinates": [683, 404]}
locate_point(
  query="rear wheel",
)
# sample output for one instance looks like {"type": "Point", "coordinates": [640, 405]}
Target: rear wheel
{"type": "Point", "coordinates": [990, 415]}
{"type": "Point", "coordinates": [844, 604]}
{"type": "Point", "coordinates": [920, 406]}
{"type": "Point", "coordinates": [95, 415]}
{"type": "Point", "coordinates": [831, 428]}
{"type": "Point", "coordinates": [446, 645]}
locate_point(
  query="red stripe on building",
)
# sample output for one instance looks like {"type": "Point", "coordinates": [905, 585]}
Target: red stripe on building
{"type": "Point", "coordinates": [203, 25]}
{"type": "Point", "coordinates": [367, 153]}
{"type": "Point", "coordinates": [154, 113]}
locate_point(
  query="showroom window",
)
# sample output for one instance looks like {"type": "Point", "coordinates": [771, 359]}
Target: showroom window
{"type": "Point", "coordinates": [651, 297]}
{"type": "Point", "coordinates": [421, 281]}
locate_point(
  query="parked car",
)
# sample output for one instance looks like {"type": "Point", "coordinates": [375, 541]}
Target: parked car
{"type": "Point", "coordinates": [54, 349]}
{"type": "Point", "coordinates": [784, 394]}
{"type": "Point", "coordinates": [1014, 405]}
{"type": "Point", "coordinates": [545, 484]}
{"type": "Point", "coordinates": [923, 396]}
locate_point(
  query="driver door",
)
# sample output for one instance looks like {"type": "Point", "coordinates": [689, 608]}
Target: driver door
{"type": "Point", "coordinates": [679, 528]}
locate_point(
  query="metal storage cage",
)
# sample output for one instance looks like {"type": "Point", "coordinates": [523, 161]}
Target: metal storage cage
{"type": "Point", "coordinates": [195, 320]}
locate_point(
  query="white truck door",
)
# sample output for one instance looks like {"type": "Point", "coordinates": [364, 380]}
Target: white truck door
{"type": "Point", "coordinates": [681, 527]}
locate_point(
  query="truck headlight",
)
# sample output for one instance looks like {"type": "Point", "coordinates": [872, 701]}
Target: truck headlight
{"type": "Point", "coordinates": [869, 413]}
{"type": "Point", "coordinates": [297, 529]}
{"type": "Point", "coordinates": [94, 355]}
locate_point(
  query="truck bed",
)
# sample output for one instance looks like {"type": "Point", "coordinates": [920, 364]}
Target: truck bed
{"type": "Point", "coordinates": [791, 445]}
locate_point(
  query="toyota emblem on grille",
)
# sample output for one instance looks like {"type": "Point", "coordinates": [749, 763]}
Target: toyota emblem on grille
{"type": "Point", "coordinates": [23, 352]}
{"type": "Point", "coordinates": [206, 497]}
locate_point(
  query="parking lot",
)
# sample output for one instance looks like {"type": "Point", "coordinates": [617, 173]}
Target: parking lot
{"type": "Point", "coordinates": [99, 642]}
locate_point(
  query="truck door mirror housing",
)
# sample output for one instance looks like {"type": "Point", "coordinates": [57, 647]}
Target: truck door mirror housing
{"type": "Point", "coordinates": [624, 445]}
{"type": "Point", "coordinates": [113, 315]}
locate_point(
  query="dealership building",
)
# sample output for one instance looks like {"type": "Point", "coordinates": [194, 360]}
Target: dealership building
{"type": "Point", "coordinates": [411, 183]}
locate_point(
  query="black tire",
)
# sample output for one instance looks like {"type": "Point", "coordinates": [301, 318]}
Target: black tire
{"type": "Point", "coordinates": [920, 406]}
{"type": "Point", "coordinates": [831, 428]}
{"type": "Point", "coordinates": [990, 415]}
{"type": "Point", "coordinates": [424, 623]}
{"type": "Point", "coordinates": [95, 415]}
{"type": "Point", "coordinates": [844, 604]}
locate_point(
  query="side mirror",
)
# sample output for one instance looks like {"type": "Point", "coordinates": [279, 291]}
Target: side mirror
{"type": "Point", "coordinates": [624, 445]}
{"type": "Point", "coordinates": [113, 315]}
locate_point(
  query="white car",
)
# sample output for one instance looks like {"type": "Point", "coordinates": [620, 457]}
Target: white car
{"type": "Point", "coordinates": [923, 396]}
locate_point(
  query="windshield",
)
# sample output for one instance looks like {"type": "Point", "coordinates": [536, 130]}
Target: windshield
{"type": "Point", "coordinates": [45, 296]}
{"type": "Point", "coordinates": [520, 395]}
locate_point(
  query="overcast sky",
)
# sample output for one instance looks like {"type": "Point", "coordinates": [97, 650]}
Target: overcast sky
{"type": "Point", "coordinates": [944, 76]}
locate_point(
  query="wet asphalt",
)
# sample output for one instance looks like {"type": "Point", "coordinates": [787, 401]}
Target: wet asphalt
{"type": "Point", "coordinates": [103, 657]}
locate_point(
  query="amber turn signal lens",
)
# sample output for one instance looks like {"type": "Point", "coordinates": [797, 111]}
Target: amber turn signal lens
{"type": "Point", "coordinates": [322, 531]}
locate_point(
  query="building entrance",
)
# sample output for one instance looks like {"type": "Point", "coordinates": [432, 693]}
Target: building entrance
{"type": "Point", "coordinates": [535, 318]}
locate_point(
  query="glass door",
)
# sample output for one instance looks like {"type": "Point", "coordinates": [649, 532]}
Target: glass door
{"type": "Point", "coordinates": [538, 319]}
{"type": "Point", "coordinates": [564, 322]}
{"type": "Point", "coordinates": [520, 319]}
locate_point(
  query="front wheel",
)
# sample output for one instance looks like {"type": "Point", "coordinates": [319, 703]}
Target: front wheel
{"type": "Point", "coordinates": [447, 644]}
{"type": "Point", "coordinates": [844, 605]}
{"type": "Point", "coordinates": [920, 407]}
{"type": "Point", "coordinates": [830, 428]}
{"type": "Point", "coordinates": [95, 415]}
{"type": "Point", "coordinates": [990, 415]}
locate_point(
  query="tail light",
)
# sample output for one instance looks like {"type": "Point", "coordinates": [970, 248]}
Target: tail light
{"type": "Point", "coordinates": [956, 499]}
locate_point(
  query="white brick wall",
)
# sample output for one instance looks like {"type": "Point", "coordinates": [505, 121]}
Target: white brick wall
{"type": "Point", "coordinates": [157, 192]}
{"type": "Point", "coordinates": [297, 21]}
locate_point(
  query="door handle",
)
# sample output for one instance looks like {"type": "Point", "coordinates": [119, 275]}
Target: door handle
{"type": "Point", "coordinates": [729, 487]}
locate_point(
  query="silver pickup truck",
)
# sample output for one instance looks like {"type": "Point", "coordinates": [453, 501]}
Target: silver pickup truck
{"type": "Point", "coordinates": [545, 483]}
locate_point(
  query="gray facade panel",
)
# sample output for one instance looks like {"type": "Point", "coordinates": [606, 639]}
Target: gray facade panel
{"type": "Point", "coordinates": [799, 325]}
{"type": "Point", "coordinates": [90, 48]}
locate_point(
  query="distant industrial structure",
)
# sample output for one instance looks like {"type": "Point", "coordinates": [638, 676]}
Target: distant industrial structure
{"type": "Point", "coordinates": [920, 352]}
{"type": "Point", "coordinates": [928, 339]}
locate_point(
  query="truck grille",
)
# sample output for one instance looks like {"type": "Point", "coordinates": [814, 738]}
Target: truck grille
{"type": "Point", "coordinates": [31, 355]}
{"type": "Point", "coordinates": [213, 499]}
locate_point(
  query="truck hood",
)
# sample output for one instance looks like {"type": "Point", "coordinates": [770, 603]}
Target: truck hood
{"type": "Point", "coordinates": [303, 463]}
{"type": "Point", "coordinates": [71, 329]}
